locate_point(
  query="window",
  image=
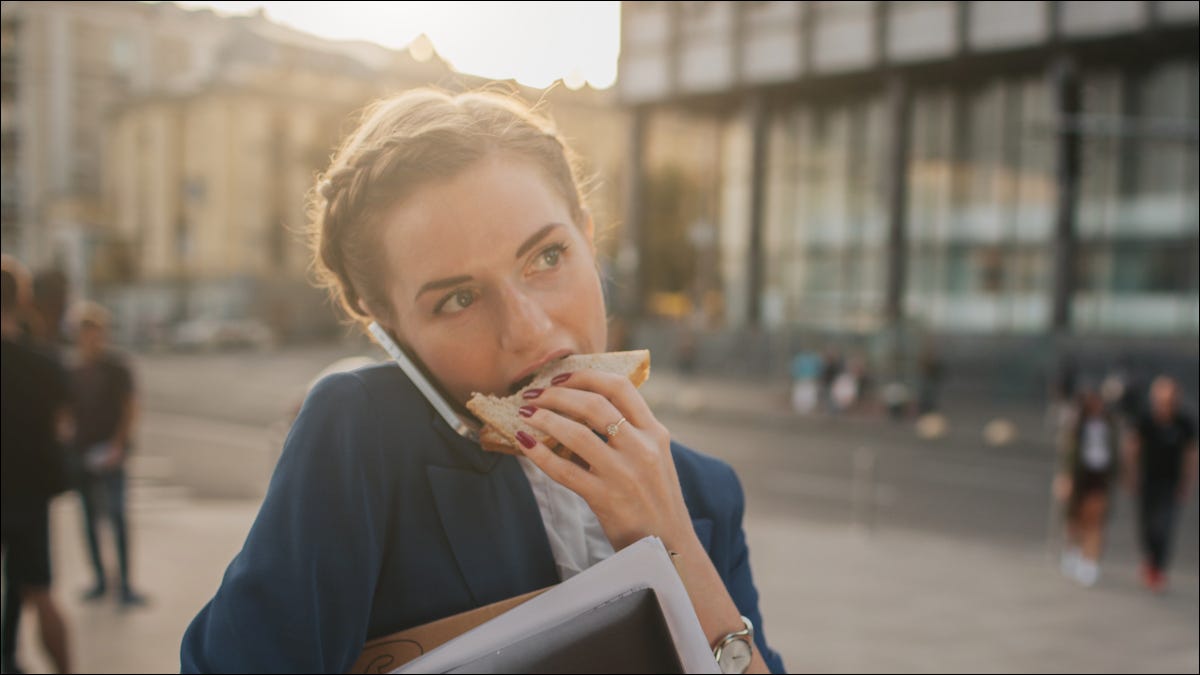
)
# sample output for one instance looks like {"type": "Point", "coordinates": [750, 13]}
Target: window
{"type": "Point", "coordinates": [1138, 210]}
{"type": "Point", "coordinates": [981, 200]}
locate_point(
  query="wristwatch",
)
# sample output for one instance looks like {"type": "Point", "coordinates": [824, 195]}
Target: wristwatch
{"type": "Point", "coordinates": [734, 651]}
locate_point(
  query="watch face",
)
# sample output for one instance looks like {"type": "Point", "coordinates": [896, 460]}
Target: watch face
{"type": "Point", "coordinates": [735, 657]}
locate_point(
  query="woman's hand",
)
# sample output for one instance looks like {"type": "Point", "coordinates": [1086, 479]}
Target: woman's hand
{"type": "Point", "coordinates": [630, 482]}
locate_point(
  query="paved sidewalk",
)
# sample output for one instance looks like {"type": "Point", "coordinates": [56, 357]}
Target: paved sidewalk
{"type": "Point", "coordinates": [843, 600]}
{"type": "Point", "coordinates": [180, 550]}
{"type": "Point", "coordinates": [835, 599]}
{"type": "Point", "coordinates": [768, 403]}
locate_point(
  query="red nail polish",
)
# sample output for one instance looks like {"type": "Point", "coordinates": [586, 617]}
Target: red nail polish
{"type": "Point", "coordinates": [559, 379]}
{"type": "Point", "coordinates": [525, 439]}
{"type": "Point", "coordinates": [532, 393]}
{"type": "Point", "coordinates": [527, 410]}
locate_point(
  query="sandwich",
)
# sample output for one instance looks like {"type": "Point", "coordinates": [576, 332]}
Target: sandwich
{"type": "Point", "coordinates": [500, 418]}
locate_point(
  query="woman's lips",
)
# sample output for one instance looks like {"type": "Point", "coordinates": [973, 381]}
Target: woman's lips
{"type": "Point", "coordinates": [522, 382]}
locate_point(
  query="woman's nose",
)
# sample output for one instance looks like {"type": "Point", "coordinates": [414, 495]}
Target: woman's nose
{"type": "Point", "coordinates": [524, 323]}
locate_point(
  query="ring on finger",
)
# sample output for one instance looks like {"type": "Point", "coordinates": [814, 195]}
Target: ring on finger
{"type": "Point", "coordinates": [613, 429]}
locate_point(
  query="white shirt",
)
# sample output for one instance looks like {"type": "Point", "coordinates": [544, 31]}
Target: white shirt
{"type": "Point", "coordinates": [1096, 453]}
{"type": "Point", "coordinates": [576, 539]}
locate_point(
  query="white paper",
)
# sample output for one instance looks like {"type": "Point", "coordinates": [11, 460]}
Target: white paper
{"type": "Point", "coordinates": [644, 564]}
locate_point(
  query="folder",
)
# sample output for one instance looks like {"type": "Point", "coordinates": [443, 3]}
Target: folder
{"type": "Point", "coordinates": [385, 654]}
{"type": "Point", "coordinates": [627, 634]}
{"type": "Point", "coordinates": [629, 613]}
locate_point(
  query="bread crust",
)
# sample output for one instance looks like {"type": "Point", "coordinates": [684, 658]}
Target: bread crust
{"type": "Point", "coordinates": [500, 416]}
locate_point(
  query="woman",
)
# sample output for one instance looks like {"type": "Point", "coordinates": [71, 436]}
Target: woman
{"type": "Point", "coordinates": [1089, 467]}
{"type": "Point", "coordinates": [457, 223]}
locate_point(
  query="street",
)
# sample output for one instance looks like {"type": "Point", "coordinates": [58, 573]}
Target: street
{"type": "Point", "coordinates": [876, 476]}
{"type": "Point", "coordinates": [873, 550]}
{"type": "Point", "coordinates": [869, 472]}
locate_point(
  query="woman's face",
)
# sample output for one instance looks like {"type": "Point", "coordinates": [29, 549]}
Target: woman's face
{"type": "Point", "coordinates": [489, 278]}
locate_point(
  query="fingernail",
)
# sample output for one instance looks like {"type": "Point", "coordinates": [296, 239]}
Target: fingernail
{"type": "Point", "coordinates": [559, 379]}
{"type": "Point", "coordinates": [527, 411]}
{"type": "Point", "coordinates": [525, 440]}
{"type": "Point", "coordinates": [532, 393]}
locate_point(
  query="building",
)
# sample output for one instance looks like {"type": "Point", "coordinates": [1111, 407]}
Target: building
{"type": "Point", "coordinates": [162, 156]}
{"type": "Point", "coordinates": [992, 173]}
{"type": "Point", "coordinates": [207, 179]}
{"type": "Point", "coordinates": [209, 183]}
{"type": "Point", "coordinates": [140, 140]}
{"type": "Point", "coordinates": [64, 65]}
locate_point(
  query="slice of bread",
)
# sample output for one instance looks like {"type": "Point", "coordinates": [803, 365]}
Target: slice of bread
{"type": "Point", "coordinates": [501, 419]}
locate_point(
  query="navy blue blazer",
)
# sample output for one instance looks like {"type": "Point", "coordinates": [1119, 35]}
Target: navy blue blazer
{"type": "Point", "coordinates": [379, 518]}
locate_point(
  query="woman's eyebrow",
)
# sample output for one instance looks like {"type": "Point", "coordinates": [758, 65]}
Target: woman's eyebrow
{"type": "Point", "coordinates": [443, 283]}
{"type": "Point", "coordinates": [521, 250]}
{"type": "Point", "coordinates": [535, 238]}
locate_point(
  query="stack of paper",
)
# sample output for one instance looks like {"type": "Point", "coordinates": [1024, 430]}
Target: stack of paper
{"type": "Point", "coordinates": [629, 613]}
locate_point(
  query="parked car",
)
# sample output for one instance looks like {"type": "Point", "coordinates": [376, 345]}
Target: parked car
{"type": "Point", "coordinates": [210, 334]}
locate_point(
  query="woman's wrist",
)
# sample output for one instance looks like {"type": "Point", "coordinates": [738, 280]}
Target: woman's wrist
{"type": "Point", "coordinates": [682, 540]}
{"type": "Point", "coordinates": [714, 606]}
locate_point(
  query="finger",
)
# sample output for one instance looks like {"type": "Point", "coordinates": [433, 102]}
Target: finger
{"type": "Point", "coordinates": [616, 388]}
{"type": "Point", "coordinates": [560, 470]}
{"type": "Point", "coordinates": [577, 438]}
{"type": "Point", "coordinates": [588, 407]}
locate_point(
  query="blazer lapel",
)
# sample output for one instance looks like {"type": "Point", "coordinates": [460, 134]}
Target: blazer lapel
{"type": "Point", "coordinates": [495, 531]}
{"type": "Point", "coordinates": [491, 520]}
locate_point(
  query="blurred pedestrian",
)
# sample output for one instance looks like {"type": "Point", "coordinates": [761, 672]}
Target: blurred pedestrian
{"type": "Point", "coordinates": [1090, 449]}
{"type": "Point", "coordinates": [864, 384]}
{"type": "Point", "coordinates": [33, 410]}
{"type": "Point", "coordinates": [1162, 448]}
{"type": "Point", "coordinates": [1062, 394]}
{"type": "Point", "coordinates": [831, 368]}
{"type": "Point", "coordinates": [844, 391]}
{"type": "Point", "coordinates": [851, 388]}
{"type": "Point", "coordinates": [1128, 388]}
{"type": "Point", "coordinates": [42, 328]}
{"type": "Point", "coordinates": [51, 294]}
{"type": "Point", "coordinates": [806, 373]}
{"type": "Point", "coordinates": [103, 393]}
{"type": "Point", "coordinates": [930, 371]}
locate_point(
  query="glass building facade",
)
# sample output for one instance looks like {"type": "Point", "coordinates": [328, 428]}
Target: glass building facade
{"type": "Point", "coordinates": [1138, 207]}
{"type": "Point", "coordinates": [826, 217]}
{"type": "Point", "coordinates": [981, 199]}
{"type": "Point", "coordinates": [961, 209]}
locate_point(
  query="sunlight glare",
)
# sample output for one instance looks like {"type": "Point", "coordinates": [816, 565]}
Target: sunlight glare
{"type": "Point", "coordinates": [534, 43]}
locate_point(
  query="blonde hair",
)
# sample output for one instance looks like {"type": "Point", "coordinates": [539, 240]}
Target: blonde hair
{"type": "Point", "coordinates": [402, 143]}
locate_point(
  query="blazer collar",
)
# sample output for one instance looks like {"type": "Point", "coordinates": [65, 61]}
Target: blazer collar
{"type": "Point", "coordinates": [491, 521]}
{"type": "Point", "coordinates": [464, 449]}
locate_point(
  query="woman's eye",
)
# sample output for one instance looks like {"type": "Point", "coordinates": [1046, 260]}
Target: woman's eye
{"type": "Point", "coordinates": [550, 257]}
{"type": "Point", "coordinates": [455, 302]}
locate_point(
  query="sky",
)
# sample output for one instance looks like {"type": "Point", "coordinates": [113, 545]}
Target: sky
{"type": "Point", "coordinates": [534, 43]}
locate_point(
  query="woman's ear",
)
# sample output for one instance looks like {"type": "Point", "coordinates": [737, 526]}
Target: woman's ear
{"type": "Point", "coordinates": [377, 317]}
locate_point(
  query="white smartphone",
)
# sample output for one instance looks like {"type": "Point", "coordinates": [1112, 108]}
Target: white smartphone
{"type": "Point", "coordinates": [462, 426]}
